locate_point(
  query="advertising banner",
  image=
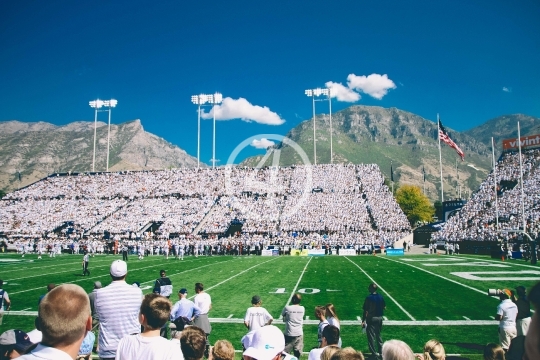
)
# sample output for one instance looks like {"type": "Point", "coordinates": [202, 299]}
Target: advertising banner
{"type": "Point", "coordinates": [296, 252]}
{"type": "Point", "coordinates": [526, 142]}
{"type": "Point", "coordinates": [316, 252]}
{"type": "Point", "coordinates": [394, 252]}
{"type": "Point", "coordinates": [347, 252]}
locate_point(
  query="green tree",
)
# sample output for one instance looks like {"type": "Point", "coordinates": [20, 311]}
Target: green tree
{"type": "Point", "coordinates": [414, 204]}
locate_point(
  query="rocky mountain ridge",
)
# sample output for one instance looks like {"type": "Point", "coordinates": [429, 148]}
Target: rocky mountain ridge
{"type": "Point", "coordinates": [40, 148]}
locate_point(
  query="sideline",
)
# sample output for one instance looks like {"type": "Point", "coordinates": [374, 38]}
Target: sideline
{"type": "Point", "coordinates": [387, 294]}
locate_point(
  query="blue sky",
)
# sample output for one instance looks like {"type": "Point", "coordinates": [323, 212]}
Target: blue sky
{"type": "Point", "coordinates": [470, 61]}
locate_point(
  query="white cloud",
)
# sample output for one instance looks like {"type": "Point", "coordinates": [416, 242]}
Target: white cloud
{"type": "Point", "coordinates": [244, 110]}
{"type": "Point", "coordinates": [262, 144]}
{"type": "Point", "coordinates": [374, 85]}
{"type": "Point", "coordinates": [342, 93]}
{"type": "Point", "coordinates": [506, 89]}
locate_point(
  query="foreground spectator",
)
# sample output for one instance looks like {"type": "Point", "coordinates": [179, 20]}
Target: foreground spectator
{"type": "Point", "coordinates": [14, 343]}
{"type": "Point", "coordinates": [396, 350]}
{"type": "Point", "coordinates": [184, 311]}
{"type": "Point", "coordinates": [149, 345]}
{"type": "Point", "coordinates": [320, 314]}
{"type": "Point", "coordinates": [257, 316]}
{"type": "Point", "coordinates": [268, 343]}
{"type": "Point", "coordinates": [92, 297]}
{"type": "Point", "coordinates": [332, 318]}
{"type": "Point", "coordinates": [433, 350]}
{"type": "Point", "coordinates": [64, 318]}
{"type": "Point", "coordinates": [493, 352]}
{"type": "Point", "coordinates": [222, 350]}
{"type": "Point", "coordinates": [347, 353]}
{"type": "Point", "coordinates": [293, 316]}
{"type": "Point", "coordinates": [117, 307]}
{"type": "Point", "coordinates": [4, 301]}
{"type": "Point", "coordinates": [374, 307]}
{"type": "Point", "coordinates": [330, 337]}
{"type": "Point", "coordinates": [329, 351]}
{"type": "Point", "coordinates": [506, 315]}
{"type": "Point", "coordinates": [193, 343]}
{"type": "Point", "coordinates": [532, 340]}
{"type": "Point", "coordinates": [203, 302]}
{"type": "Point", "coordinates": [523, 320]}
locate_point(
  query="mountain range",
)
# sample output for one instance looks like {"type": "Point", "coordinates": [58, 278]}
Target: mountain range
{"type": "Point", "coordinates": [40, 148]}
{"type": "Point", "coordinates": [404, 144]}
{"type": "Point", "coordinates": [394, 139]}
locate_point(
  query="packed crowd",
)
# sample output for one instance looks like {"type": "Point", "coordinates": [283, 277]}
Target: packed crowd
{"type": "Point", "coordinates": [130, 326]}
{"type": "Point", "coordinates": [341, 201]}
{"type": "Point", "coordinates": [478, 219]}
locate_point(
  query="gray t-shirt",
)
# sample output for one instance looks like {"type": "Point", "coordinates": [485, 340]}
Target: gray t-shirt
{"type": "Point", "coordinates": [293, 316]}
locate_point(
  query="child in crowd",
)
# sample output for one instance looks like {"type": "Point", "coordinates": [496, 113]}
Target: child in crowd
{"type": "Point", "coordinates": [154, 313]}
{"type": "Point", "coordinates": [493, 352]}
{"type": "Point", "coordinates": [222, 350]}
{"type": "Point", "coordinates": [433, 350]}
{"type": "Point", "coordinates": [257, 316]}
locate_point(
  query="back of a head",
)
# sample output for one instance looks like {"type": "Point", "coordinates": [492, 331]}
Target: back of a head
{"type": "Point", "coordinates": [493, 352]}
{"type": "Point", "coordinates": [193, 343]}
{"type": "Point", "coordinates": [331, 311]}
{"type": "Point", "coordinates": [329, 351]}
{"type": "Point", "coordinates": [296, 299]}
{"type": "Point", "coordinates": [331, 334]}
{"type": "Point", "coordinates": [63, 315]}
{"type": "Point", "coordinates": [156, 310]}
{"type": "Point", "coordinates": [396, 350]}
{"type": "Point", "coordinates": [434, 350]}
{"type": "Point", "coordinates": [347, 353]}
{"type": "Point", "coordinates": [223, 350]}
{"type": "Point", "coordinates": [373, 287]}
{"type": "Point", "coordinates": [319, 309]}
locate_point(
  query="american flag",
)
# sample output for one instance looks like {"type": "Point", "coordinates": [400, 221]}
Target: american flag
{"type": "Point", "coordinates": [444, 137]}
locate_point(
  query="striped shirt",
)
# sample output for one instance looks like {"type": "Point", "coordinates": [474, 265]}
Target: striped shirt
{"type": "Point", "coordinates": [117, 307]}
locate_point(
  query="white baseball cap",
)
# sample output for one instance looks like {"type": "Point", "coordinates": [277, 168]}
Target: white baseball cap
{"type": "Point", "coordinates": [118, 268]}
{"type": "Point", "coordinates": [266, 343]}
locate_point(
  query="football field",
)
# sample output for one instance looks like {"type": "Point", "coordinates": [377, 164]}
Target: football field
{"type": "Point", "coordinates": [427, 296]}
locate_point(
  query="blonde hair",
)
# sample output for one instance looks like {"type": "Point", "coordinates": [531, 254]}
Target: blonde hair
{"type": "Point", "coordinates": [493, 352]}
{"type": "Point", "coordinates": [347, 353]}
{"type": "Point", "coordinates": [223, 350]}
{"type": "Point", "coordinates": [329, 351]}
{"type": "Point", "coordinates": [63, 315]}
{"type": "Point", "coordinates": [434, 350]}
{"type": "Point", "coordinates": [331, 311]}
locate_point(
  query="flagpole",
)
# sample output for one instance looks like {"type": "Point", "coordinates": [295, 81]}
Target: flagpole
{"type": "Point", "coordinates": [495, 183]}
{"type": "Point", "coordinates": [392, 177]}
{"type": "Point", "coordinates": [521, 179]}
{"type": "Point", "coordinates": [424, 178]}
{"type": "Point", "coordinates": [440, 157]}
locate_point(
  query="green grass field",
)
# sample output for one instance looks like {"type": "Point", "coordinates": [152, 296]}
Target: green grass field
{"type": "Point", "coordinates": [442, 297]}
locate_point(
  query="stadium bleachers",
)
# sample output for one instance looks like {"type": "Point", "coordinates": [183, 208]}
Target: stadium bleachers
{"type": "Point", "coordinates": [341, 201]}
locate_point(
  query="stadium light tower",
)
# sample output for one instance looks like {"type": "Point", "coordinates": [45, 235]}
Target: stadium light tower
{"type": "Point", "coordinates": [201, 100]}
{"type": "Point", "coordinates": [110, 104]}
{"type": "Point", "coordinates": [316, 93]}
{"type": "Point", "coordinates": [96, 104]}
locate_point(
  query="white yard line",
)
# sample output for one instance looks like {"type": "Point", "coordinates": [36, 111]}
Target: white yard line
{"type": "Point", "coordinates": [107, 275]}
{"type": "Point", "coordinates": [232, 277]}
{"type": "Point", "coordinates": [387, 294]}
{"type": "Point", "coordinates": [229, 320]}
{"type": "Point", "coordinates": [502, 262]}
{"type": "Point", "coordinates": [440, 276]}
{"type": "Point", "coordinates": [298, 282]}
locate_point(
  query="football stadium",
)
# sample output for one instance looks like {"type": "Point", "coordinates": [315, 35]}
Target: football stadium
{"type": "Point", "coordinates": [326, 232]}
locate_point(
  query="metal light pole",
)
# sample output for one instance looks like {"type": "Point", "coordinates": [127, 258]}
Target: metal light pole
{"type": "Point", "coordinates": [110, 103]}
{"type": "Point", "coordinates": [317, 92]}
{"type": "Point", "coordinates": [96, 104]}
{"type": "Point", "coordinates": [331, 132]}
{"type": "Point", "coordinates": [200, 100]}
